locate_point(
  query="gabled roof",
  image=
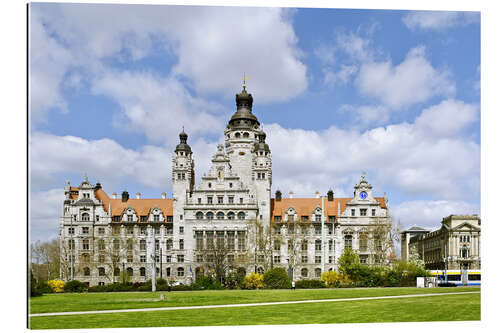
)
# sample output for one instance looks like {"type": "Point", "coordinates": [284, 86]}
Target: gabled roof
{"type": "Point", "coordinates": [306, 206]}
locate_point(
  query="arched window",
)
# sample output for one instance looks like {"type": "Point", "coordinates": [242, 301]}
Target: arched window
{"type": "Point", "coordinates": [102, 271]}
{"type": "Point", "coordinates": [246, 135]}
{"type": "Point", "coordinates": [220, 216]}
{"type": "Point", "coordinates": [85, 217]}
{"type": "Point", "coordinates": [142, 270]}
{"type": "Point", "coordinates": [210, 216]}
{"type": "Point", "coordinates": [237, 135]}
{"type": "Point", "coordinates": [303, 272]}
{"type": "Point", "coordinates": [230, 216]}
{"type": "Point", "coordinates": [241, 215]}
{"type": "Point", "coordinates": [180, 271]}
{"type": "Point", "coordinates": [85, 257]}
{"type": "Point", "coordinates": [199, 216]}
{"type": "Point", "coordinates": [130, 271]}
{"type": "Point", "coordinates": [260, 270]}
{"type": "Point", "coordinates": [117, 271]}
{"type": "Point", "coordinates": [86, 271]}
{"type": "Point", "coordinates": [348, 241]}
{"type": "Point", "coordinates": [317, 272]}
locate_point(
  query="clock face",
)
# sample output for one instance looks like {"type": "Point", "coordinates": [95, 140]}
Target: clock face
{"type": "Point", "coordinates": [363, 195]}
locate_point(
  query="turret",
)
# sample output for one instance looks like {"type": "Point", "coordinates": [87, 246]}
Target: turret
{"type": "Point", "coordinates": [182, 168]}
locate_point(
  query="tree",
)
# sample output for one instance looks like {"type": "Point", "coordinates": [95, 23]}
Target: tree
{"type": "Point", "coordinates": [383, 234]}
{"type": "Point", "coordinates": [349, 263]}
{"type": "Point", "coordinates": [263, 239]}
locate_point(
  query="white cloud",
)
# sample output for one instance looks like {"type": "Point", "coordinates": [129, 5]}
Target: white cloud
{"type": "Point", "coordinates": [412, 81]}
{"type": "Point", "coordinates": [48, 63]}
{"type": "Point", "coordinates": [343, 75]}
{"type": "Point", "coordinates": [45, 213]}
{"type": "Point", "coordinates": [405, 157]}
{"type": "Point", "coordinates": [447, 118]}
{"type": "Point", "coordinates": [439, 20]}
{"type": "Point", "coordinates": [158, 106]}
{"type": "Point", "coordinates": [429, 213]}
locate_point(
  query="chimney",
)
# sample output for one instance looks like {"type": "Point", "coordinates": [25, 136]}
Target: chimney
{"type": "Point", "coordinates": [138, 195]}
{"type": "Point", "coordinates": [291, 194]}
{"type": "Point", "coordinates": [164, 195]}
{"type": "Point", "coordinates": [330, 195]}
{"type": "Point", "coordinates": [124, 196]}
{"type": "Point", "coordinates": [317, 194]}
{"type": "Point", "coordinates": [278, 195]}
{"type": "Point", "coordinates": [115, 196]}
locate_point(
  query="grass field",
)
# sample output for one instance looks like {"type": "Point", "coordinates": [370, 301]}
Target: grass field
{"type": "Point", "coordinates": [432, 308]}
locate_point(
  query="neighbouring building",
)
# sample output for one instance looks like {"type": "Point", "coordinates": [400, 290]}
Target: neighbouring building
{"type": "Point", "coordinates": [228, 221]}
{"type": "Point", "coordinates": [455, 246]}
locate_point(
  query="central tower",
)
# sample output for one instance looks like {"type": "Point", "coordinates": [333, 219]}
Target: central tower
{"type": "Point", "coordinates": [249, 155]}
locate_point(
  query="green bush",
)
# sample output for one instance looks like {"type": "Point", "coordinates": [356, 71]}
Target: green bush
{"type": "Point", "coordinates": [181, 287]}
{"type": "Point", "coordinates": [277, 278]}
{"type": "Point", "coordinates": [309, 284]}
{"type": "Point", "coordinates": [34, 290]}
{"type": "Point", "coordinates": [44, 288]}
{"type": "Point", "coordinates": [206, 282]}
{"type": "Point", "coordinates": [75, 286]}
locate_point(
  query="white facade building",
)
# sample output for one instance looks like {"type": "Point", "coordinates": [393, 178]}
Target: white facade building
{"type": "Point", "coordinates": [231, 206]}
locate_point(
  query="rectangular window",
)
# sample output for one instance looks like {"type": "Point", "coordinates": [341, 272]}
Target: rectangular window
{"type": "Point", "coordinates": [304, 218]}
{"type": "Point", "coordinates": [317, 245]}
{"type": "Point", "coordinates": [260, 258]}
{"type": "Point", "coordinates": [100, 231]}
{"type": "Point", "coordinates": [209, 200]}
{"type": "Point", "coordinates": [199, 240]}
{"type": "Point", "coordinates": [318, 218]}
{"type": "Point", "coordinates": [230, 240]}
{"type": "Point", "coordinates": [144, 218]}
{"type": "Point", "coordinates": [373, 212]}
{"type": "Point", "coordinates": [199, 258]}
{"type": "Point", "coordinates": [290, 245]}
{"type": "Point", "coordinates": [330, 259]}
{"type": "Point", "coordinates": [130, 218]}
{"type": "Point", "coordinates": [168, 258]}
{"type": "Point", "coordinates": [241, 200]}
{"type": "Point", "coordinates": [101, 258]}
{"type": "Point", "coordinates": [210, 239]}
{"type": "Point", "coordinates": [130, 258]}
{"type": "Point", "coordinates": [144, 231]}
{"type": "Point", "coordinates": [330, 245]}
{"type": "Point", "coordinates": [363, 259]}
{"type": "Point", "coordinates": [277, 259]}
{"type": "Point", "coordinates": [277, 219]}
{"type": "Point", "coordinates": [71, 231]}
{"type": "Point", "coordinates": [85, 244]}
{"type": "Point", "coordinates": [156, 218]}
{"type": "Point", "coordinates": [304, 245]}
{"type": "Point", "coordinates": [304, 259]}
{"type": "Point", "coordinates": [116, 218]}
{"type": "Point", "coordinates": [170, 244]}
{"type": "Point", "coordinates": [353, 212]}
{"type": "Point", "coordinates": [130, 230]}
{"type": "Point", "coordinates": [170, 230]}
{"type": "Point", "coordinates": [85, 230]}
{"type": "Point", "coordinates": [303, 230]}
{"type": "Point", "coordinates": [181, 230]}
{"type": "Point", "coordinates": [220, 200]}
{"type": "Point", "coordinates": [317, 259]}
{"type": "Point", "coordinates": [230, 258]}
{"type": "Point", "coordinates": [277, 244]}
{"type": "Point", "coordinates": [97, 218]}
{"type": "Point", "coordinates": [170, 219]}
{"type": "Point", "coordinates": [157, 258]}
{"type": "Point", "coordinates": [181, 244]}
{"type": "Point", "coordinates": [317, 229]}
{"type": "Point", "coordinates": [230, 200]}
{"type": "Point", "coordinates": [330, 229]}
{"type": "Point", "coordinates": [331, 218]}
{"type": "Point", "coordinates": [241, 240]}
{"type": "Point", "coordinates": [180, 258]}
{"type": "Point", "coordinates": [142, 258]}
{"type": "Point", "coordinates": [362, 211]}
{"type": "Point", "coordinates": [199, 201]}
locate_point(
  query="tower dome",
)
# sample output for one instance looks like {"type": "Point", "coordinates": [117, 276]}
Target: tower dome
{"type": "Point", "coordinates": [243, 117]}
{"type": "Point", "coordinates": [183, 146]}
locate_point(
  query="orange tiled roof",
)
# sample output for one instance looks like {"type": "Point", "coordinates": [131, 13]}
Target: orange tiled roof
{"type": "Point", "coordinates": [142, 207]}
{"type": "Point", "coordinates": [305, 206]}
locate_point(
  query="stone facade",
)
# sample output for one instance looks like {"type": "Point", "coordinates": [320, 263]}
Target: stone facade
{"type": "Point", "coordinates": [455, 246]}
{"type": "Point", "coordinates": [232, 205]}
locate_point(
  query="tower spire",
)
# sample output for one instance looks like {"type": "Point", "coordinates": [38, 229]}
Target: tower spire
{"type": "Point", "coordinates": [244, 81]}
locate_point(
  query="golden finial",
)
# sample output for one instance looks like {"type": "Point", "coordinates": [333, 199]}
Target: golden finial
{"type": "Point", "coordinates": [244, 80]}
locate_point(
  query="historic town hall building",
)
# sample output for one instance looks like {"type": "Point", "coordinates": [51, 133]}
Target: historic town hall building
{"type": "Point", "coordinates": [227, 222]}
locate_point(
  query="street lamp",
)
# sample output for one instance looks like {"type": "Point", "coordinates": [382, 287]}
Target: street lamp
{"type": "Point", "coordinates": [123, 271]}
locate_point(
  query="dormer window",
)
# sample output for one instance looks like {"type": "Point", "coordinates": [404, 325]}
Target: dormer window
{"type": "Point", "coordinates": [130, 218]}
{"type": "Point", "coordinates": [209, 199]}
{"type": "Point", "coordinates": [362, 211]}
{"type": "Point", "coordinates": [85, 217]}
{"type": "Point", "coordinates": [353, 212]}
{"type": "Point", "coordinates": [156, 218]}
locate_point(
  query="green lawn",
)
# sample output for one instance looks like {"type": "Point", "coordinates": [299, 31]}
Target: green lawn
{"type": "Point", "coordinates": [135, 300]}
{"type": "Point", "coordinates": [432, 308]}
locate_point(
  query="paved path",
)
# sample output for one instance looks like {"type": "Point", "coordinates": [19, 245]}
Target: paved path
{"type": "Point", "coordinates": [243, 305]}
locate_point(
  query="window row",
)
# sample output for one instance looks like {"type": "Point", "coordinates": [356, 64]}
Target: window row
{"type": "Point", "coordinates": [101, 271]}
{"type": "Point", "coordinates": [220, 216]}
{"type": "Point", "coordinates": [363, 212]}
{"type": "Point", "coordinates": [220, 199]}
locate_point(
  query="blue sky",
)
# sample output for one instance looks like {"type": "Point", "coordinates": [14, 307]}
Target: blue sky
{"type": "Point", "coordinates": [339, 92]}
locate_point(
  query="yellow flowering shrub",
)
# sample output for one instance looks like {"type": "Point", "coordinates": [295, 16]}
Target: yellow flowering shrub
{"type": "Point", "coordinates": [56, 285]}
{"type": "Point", "coordinates": [254, 281]}
{"type": "Point", "coordinates": [333, 279]}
